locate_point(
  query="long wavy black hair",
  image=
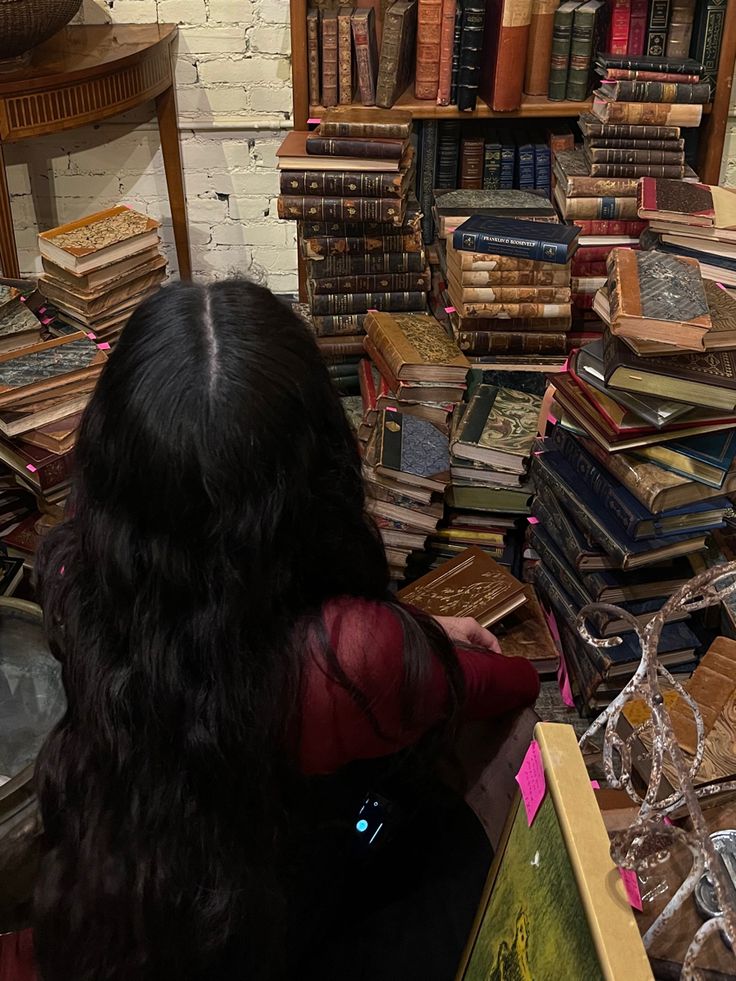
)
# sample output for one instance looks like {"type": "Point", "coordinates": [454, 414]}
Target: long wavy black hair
{"type": "Point", "coordinates": [217, 504]}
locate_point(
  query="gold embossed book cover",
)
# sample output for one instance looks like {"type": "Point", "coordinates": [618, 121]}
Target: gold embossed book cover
{"type": "Point", "coordinates": [416, 347]}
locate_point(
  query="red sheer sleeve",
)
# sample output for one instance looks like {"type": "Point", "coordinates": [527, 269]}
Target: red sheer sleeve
{"type": "Point", "coordinates": [367, 640]}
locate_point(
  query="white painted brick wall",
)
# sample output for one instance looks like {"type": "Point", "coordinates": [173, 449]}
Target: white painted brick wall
{"type": "Point", "coordinates": [234, 94]}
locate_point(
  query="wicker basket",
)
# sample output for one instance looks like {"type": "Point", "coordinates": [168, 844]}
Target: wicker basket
{"type": "Point", "coordinates": [26, 23]}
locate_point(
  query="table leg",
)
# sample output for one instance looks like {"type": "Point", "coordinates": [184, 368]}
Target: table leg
{"type": "Point", "coordinates": [8, 249]}
{"type": "Point", "coordinates": [171, 149]}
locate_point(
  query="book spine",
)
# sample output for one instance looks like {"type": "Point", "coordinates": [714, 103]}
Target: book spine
{"type": "Point", "coordinates": [313, 56]}
{"type": "Point", "coordinates": [490, 263]}
{"type": "Point", "coordinates": [659, 15]}
{"type": "Point", "coordinates": [681, 92]}
{"type": "Point", "coordinates": [673, 172]}
{"type": "Point", "coordinates": [366, 265]}
{"type": "Point", "coordinates": [588, 269]}
{"type": "Point", "coordinates": [618, 42]}
{"type": "Point", "coordinates": [560, 55]}
{"type": "Point", "coordinates": [583, 301]}
{"type": "Point", "coordinates": [329, 58]}
{"type": "Point", "coordinates": [515, 294]}
{"type": "Point", "coordinates": [504, 310]}
{"type": "Point", "coordinates": [447, 34]}
{"type": "Point", "coordinates": [373, 283]}
{"type": "Point", "coordinates": [603, 155]}
{"type": "Point", "coordinates": [333, 350]}
{"type": "Point", "coordinates": [428, 173]}
{"type": "Point", "coordinates": [633, 75]}
{"type": "Point", "coordinates": [680, 30]}
{"type": "Point", "coordinates": [708, 35]}
{"type": "Point", "coordinates": [560, 277]}
{"type": "Point", "coordinates": [539, 47]}
{"type": "Point", "coordinates": [606, 208]}
{"type": "Point", "coordinates": [648, 113]}
{"type": "Point", "coordinates": [471, 45]}
{"type": "Point", "coordinates": [429, 37]}
{"type": "Point", "coordinates": [389, 66]}
{"type": "Point", "coordinates": [525, 163]}
{"type": "Point", "coordinates": [560, 566]}
{"type": "Point", "coordinates": [508, 159]}
{"type": "Point", "coordinates": [595, 187]}
{"type": "Point", "coordinates": [320, 246]}
{"type": "Point", "coordinates": [513, 39]}
{"type": "Point", "coordinates": [344, 56]}
{"type": "Point", "coordinates": [362, 302]}
{"type": "Point", "coordinates": [294, 207]}
{"type": "Point", "coordinates": [337, 324]}
{"type": "Point", "coordinates": [364, 38]}
{"type": "Point", "coordinates": [560, 141]}
{"type": "Point", "coordinates": [546, 325]}
{"type": "Point", "coordinates": [457, 39]}
{"type": "Point", "coordinates": [448, 148]}
{"type": "Point", "coordinates": [542, 167]}
{"type": "Point", "coordinates": [579, 76]}
{"type": "Point", "coordinates": [638, 27]}
{"type": "Point", "coordinates": [484, 242]}
{"type": "Point", "coordinates": [471, 162]}
{"type": "Point", "coordinates": [492, 164]}
{"type": "Point", "coordinates": [341, 184]}
{"type": "Point", "coordinates": [479, 342]}
{"type": "Point", "coordinates": [670, 146]}
{"type": "Point", "coordinates": [361, 148]}
{"type": "Point", "coordinates": [625, 131]}
{"type": "Point", "coordinates": [412, 218]}
{"type": "Point", "coordinates": [632, 229]}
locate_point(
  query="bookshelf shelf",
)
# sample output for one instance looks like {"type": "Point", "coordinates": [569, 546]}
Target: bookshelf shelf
{"type": "Point", "coordinates": [532, 107]}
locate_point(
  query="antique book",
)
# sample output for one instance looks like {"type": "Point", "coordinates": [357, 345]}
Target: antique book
{"type": "Point", "coordinates": [41, 469]}
{"type": "Point", "coordinates": [313, 56]}
{"type": "Point", "coordinates": [369, 264]}
{"type": "Point", "coordinates": [592, 208]}
{"type": "Point", "coordinates": [109, 299]}
{"type": "Point", "coordinates": [471, 295]}
{"type": "Point", "coordinates": [498, 428]}
{"type": "Point", "coordinates": [546, 241]}
{"type": "Point", "coordinates": [346, 345]}
{"type": "Point", "coordinates": [329, 47]}
{"type": "Point", "coordinates": [348, 122]}
{"type": "Point", "coordinates": [588, 31]}
{"type": "Point", "coordinates": [412, 451]}
{"type": "Point", "coordinates": [346, 69]}
{"type": "Point", "coordinates": [334, 303]}
{"type": "Point", "coordinates": [645, 113]}
{"type": "Point", "coordinates": [412, 391]}
{"type": "Point", "coordinates": [295, 207]}
{"type": "Point", "coordinates": [396, 62]}
{"type": "Point", "coordinates": [638, 91]}
{"type": "Point", "coordinates": [447, 35]}
{"type": "Point", "coordinates": [707, 380]}
{"type": "Point", "coordinates": [633, 155]}
{"type": "Point", "coordinates": [453, 207]}
{"type": "Point", "coordinates": [659, 12]}
{"type": "Point", "coordinates": [58, 436]}
{"type": "Point", "coordinates": [618, 28]}
{"type": "Point", "coordinates": [684, 203]}
{"type": "Point", "coordinates": [429, 24]}
{"type": "Point", "coordinates": [560, 53]}
{"type": "Point", "coordinates": [471, 51]}
{"type": "Point", "coordinates": [416, 348]}
{"type": "Point", "coordinates": [713, 687]}
{"type": "Point", "coordinates": [472, 585]}
{"type": "Point", "coordinates": [574, 181]}
{"type": "Point", "coordinates": [466, 278]}
{"type": "Point", "coordinates": [657, 297]}
{"type": "Point", "coordinates": [553, 876]}
{"type": "Point", "coordinates": [539, 47]}
{"type": "Point", "coordinates": [349, 183]}
{"type": "Point", "coordinates": [334, 325]}
{"type": "Point", "coordinates": [638, 27]}
{"type": "Point", "coordinates": [482, 342]}
{"type": "Point", "coordinates": [707, 37]}
{"type": "Point", "coordinates": [372, 283]}
{"type": "Point", "coordinates": [86, 245]}
{"type": "Point", "coordinates": [56, 363]}
{"type": "Point", "coordinates": [630, 75]}
{"type": "Point", "coordinates": [507, 25]}
{"type": "Point", "coordinates": [501, 311]}
{"type": "Point", "coordinates": [582, 554]}
{"type": "Point", "coordinates": [73, 288]}
{"type": "Point", "coordinates": [706, 459]}
{"type": "Point", "coordinates": [471, 163]}
{"type": "Point", "coordinates": [373, 153]}
{"type": "Point", "coordinates": [592, 127]}
{"type": "Point", "coordinates": [675, 66]}
{"type": "Point", "coordinates": [507, 500]}
{"type": "Point", "coordinates": [363, 23]}
{"type": "Point", "coordinates": [482, 263]}
{"type": "Point", "coordinates": [322, 246]}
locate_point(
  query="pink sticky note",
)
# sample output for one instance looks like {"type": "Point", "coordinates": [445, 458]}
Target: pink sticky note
{"type": "Point", "coordinates": [103, 347]}
{"type": "Point", "coordinates": [564, 682]}
{"type": "Point", "coordinates": [449, 309]}
{"type": "Point", "coordinates": [722, 286]}
{"type": "Point", "coordinates": [530, 779]}
{"type": "Point", "coordinates": [595, 785]}
{"type": "Point", "coordinates": [47, 320]}
{"type": "Point", "coordinates": [92, 337]}
{"type": "Point", "coordinates": [668, 822]}
{"type": "Point", "coordinates": [631, 885]}
{"type": "Point", "coordinates": [31, 468]}
{"type": "Point", "coordinates": [372, 310]}
{"type": "Point", "coordinates": [532, 520]}
{"type": "Point", "coordinates": [62, 570]}
{"type": "Point", "coordinates": [313, 121]}
{"type": "Point", "coordinates": [391, 408]}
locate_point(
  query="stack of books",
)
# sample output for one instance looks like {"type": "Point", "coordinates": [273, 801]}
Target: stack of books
{"type": "Point", "coordinates": [694, 220]}
{"type": "Point", "coordinates": [96, 271]}
{"type": "Point", "coordinates": [413, 381]}
{"type": "Point", "coordinates": [348, 185]}
{"type": "Point", "coordinates": [642, 104]}
{"type": "Point", "coordinates": [47, 373]}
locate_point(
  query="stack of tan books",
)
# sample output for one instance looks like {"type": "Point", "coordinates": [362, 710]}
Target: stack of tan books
{"type": "Point", "coordinates": [97, 270]}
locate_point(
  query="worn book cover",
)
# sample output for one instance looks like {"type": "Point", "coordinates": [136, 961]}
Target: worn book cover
{"type": "Point", "coordinates": [85, 245]}
{"type": "Point", "coordinates": [498, 427]}
{"type": "Point", "coordinates": [416, 347]}
{"type": "Point", "coordinates": [707, 459]}
{"type": "Point", "coordinates": [373, 283]}
{"type": "Point", "coordinates": [507, 24]}
{"type": "Point", "coordinates": [642, 91]}
{"type": "Point", "coordinates": [646, 113]}
{"type": "Point", "coordinates": [592, 126]}
{"type": "Point", "coordinates": [352, 122]}
{"type": "Point", "coordinates": [655, 296]}
{"type": "Point", "coordinates": [397, 59]}
{"type": "Point", "coordinates": [366, 53]}
{"type": "Point", "coordinates": [658, 64]}
{"type": "Point", "coordinates": [412, 450]}
{"type": "Point", "coordinates": [590, 23]}
{"type": "Point", "coordinates": [542, 241]}
{"type": "Point", "coordinates": [574, 179]}
{"type": "Point", "coordinates": [687, 203]}
{"type": "Point", "coordinates": [44, 369]}
{"type": "Point", "coordinates": [472, 585]}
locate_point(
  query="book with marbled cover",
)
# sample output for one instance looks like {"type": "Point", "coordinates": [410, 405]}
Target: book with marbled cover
{"type": "Point", "coordinates": [48, 365]}
{"type": "Point", "coordinates": [471, 585]}
{"type": "Point", "coordinates": [408, 444]}
{"type": "Point", "coordinates": [656, 286]}
{"type": "Point", "coordinates": [501, 420]}
{"type": "Point", "coordinates": [416, 339]}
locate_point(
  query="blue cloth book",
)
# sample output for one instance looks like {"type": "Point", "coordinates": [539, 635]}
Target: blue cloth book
{"type": "Point", "coordinates": [540, 241]}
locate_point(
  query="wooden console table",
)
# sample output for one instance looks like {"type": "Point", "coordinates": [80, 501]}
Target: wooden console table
{"type": "Point", "coordinates": [83, 75]}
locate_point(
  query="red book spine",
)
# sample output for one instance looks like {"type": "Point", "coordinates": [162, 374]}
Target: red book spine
{"type": "Point", "coordinates": [618, 38]}
{"type": "Point", "coordinates": [447, 41]}
{"type": "Point", "coordinates": [367, 385]}
{"type": "Point", "coordinates": [610, 226]}
{"type": "Point", "coordinates": [429, 30]}
{"type": "Point", "coordinates": [594, 253]}
{"type": "Point", "coordinates": [638, 26]}
{"type": "Point", "coordinates": [583, 301]}
{"type": "Point", "coordinates": [586, 269]}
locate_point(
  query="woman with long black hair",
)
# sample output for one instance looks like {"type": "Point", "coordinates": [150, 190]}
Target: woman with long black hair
{"type": "Point", "coordinates": [240, 681]}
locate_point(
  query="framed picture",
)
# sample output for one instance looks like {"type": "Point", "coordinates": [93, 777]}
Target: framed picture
{"type": "Point", "coordinates": [554, 904]}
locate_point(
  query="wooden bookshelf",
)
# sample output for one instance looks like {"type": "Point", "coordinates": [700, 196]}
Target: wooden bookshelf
{"type": "Point", "coordinates": [532, 107]}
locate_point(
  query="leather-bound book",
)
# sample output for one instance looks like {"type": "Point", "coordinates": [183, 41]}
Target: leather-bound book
{"type": "Point", "coordinates": [645, 113]}
{"type": "Point", "coordinates": [342, 209]}
{"type": "Point", "coordinates": [472, 296]}
{"type": "Point", "coordinates": [471, 49]}
{"type": "Point", "coordinates": [373, 283]}
{"type": "Point", "coordinates": [592, 126]}
{"type": "Point", "coordinates": [447, 36]}
{"type": "Point", "coordinates": [657, 297]}
{"type": "Point", "coordinates": [457, 39]}
{"type": "Point", "coordinates": [539, 47]}
{"type": "Point", "coordinates": [680, 29]}
{"type": "Point", "coordinates": [618, 28]}
{"type": "Point", "coordinates": [472, 151]}
{"type": "Point", "coordinates": [396, 63]}
{"type": "Point", "coordinates": [524, 633]}
{"type": "Point", "coordinates": [362, 265]}
{"type": "Point", "coordinates": [346, 71]}
{"type": "Point", "coordinates": [484, 342]}
{"type": "Point", "coordinates": [707, 37]}
{"type": "Point", "coordinates": [504, 53]}
{"type": "Point", "coordinates": [329, 58]}
{"type": "Point", "coordinates": [685, 203]}
{"type": "Point", "coordinates": [333, 244]}
{"type": "Point", "coordinates": [659, 15]}
{"type": "Point", "coordinates": [543, 241]}
{"type": "Point", "coordinates": [349, 183]}
{"type": "Point", "coordinates": [313, 56]}
{"type": "Point", "coordinates": [412, 451]}
{"type": "Point", "coordinates": [363, 148]}
{"type": "Point", "coordinates": [588, 29]}
{"type": "Point", "coordinates": [562, 22]}
{"type": "Point", "coordinates": [498, 428]}
{"type": "Point", "coordinates": [41, 469]}
{"type": "Point", "coordinates": [677, 66]}
{"type": "Point", "coordinates": [638, 91]}
{"type": "Point", "coordinates": [429, 37]}
{"type": "Point", "coordinates": [337, 303]}
{"type": "Point", "coordinates": [472, 585]}
{"type": "Point", "coordinates": [612, 155]}
{"type": "Point", "coordinates": [416, 348]}
{"type": "Point", "coordinates": [366, 53]}
{"type": "Point", "coordinates": [355, 124]}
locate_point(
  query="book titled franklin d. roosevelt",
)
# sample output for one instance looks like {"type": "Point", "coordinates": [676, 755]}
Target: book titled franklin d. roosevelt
{"type": "Point", "coordinates": [471, 585]}
{"type": "Point", "coordinates": [541, 241]}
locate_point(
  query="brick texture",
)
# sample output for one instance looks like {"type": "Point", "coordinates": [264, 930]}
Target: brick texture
{"type": "Point", "coordinates": [234, 95]}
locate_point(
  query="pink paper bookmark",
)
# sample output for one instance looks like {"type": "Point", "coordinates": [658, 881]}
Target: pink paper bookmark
{"type": "Point", "coordinates": [631, 885]}
{"type": "Point", "coordinates": [103, 347]}
{"type": "Point", "coordinates": [449, 309]}
{"type": "Point", "coordinates": [30, 468]}
{"type": "Point", "coordinates": [530, 779]}
{"type": "Point", "coordinates": [595, 785]}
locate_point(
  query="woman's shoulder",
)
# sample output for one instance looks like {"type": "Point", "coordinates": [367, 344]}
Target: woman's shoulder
{"type": "Point", "coordinates": [360, 628]}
